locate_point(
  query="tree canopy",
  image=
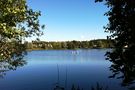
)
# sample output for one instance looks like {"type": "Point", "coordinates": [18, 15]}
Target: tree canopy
{"type": "Point", "coordinates": [121, 16]}
{"type": "Point", "coordinates": [17, 22]}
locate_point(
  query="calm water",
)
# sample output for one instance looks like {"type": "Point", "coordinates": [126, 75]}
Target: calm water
{"type": "Point", "coordinates": [46, 69]}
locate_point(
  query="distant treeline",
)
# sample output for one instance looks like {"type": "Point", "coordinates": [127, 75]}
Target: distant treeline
{"type": "Point", "coordinates": [99, 43]}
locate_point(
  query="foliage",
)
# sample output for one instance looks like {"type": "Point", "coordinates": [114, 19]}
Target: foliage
{"type": "Point", "coordinates": [17, 21]}
{"type": "Point", "coordinates": [74, 87]}
{"type": "Point", "coordinates": [121, 16]}
{"type": "Point", "coordinates": [98, 87]}
{"type": "Point", "coordinates": [101, 43]}
{"type": "Point", "coordinates": [10, 65]}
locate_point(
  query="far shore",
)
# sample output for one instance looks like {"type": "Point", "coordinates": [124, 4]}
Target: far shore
{"type": "Point", "coordinates": [37, 49]}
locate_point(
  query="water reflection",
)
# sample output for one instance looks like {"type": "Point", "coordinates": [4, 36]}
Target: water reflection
{"type": "Point", "coordinates": [122, 68]}
{"type": "Point", "coordinates": [75, 87]}
{"type": "Point", "coordinates": [11, 55]}
{"type": "Point", "coordinates": [61, 70]}
{"type": "Point", "coordinates": [10, 65]}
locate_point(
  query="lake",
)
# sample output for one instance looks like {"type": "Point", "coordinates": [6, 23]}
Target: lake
{"type": "Point", "coordinates": [46, 69]}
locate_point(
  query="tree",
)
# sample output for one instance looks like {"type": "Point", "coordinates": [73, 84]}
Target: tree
{"type": "Point", "coordinates": [121, 16]}
{"type": "Point", "coordinates": [17, 21]}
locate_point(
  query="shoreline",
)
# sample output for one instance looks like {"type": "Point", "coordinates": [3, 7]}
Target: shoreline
{"type": "Point", "coordinates": [65, 49]}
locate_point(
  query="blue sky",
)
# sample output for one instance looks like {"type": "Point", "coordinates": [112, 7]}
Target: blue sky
{"type": "Point", "coordinates": [71, 19]}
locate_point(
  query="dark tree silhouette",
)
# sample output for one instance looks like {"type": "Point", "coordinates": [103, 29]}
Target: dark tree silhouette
{"type": "Point", "coordinates": [121, 16]}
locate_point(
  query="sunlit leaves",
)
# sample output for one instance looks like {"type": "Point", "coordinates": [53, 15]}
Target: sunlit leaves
{"type": "Point", "coordinates": [17, 21]}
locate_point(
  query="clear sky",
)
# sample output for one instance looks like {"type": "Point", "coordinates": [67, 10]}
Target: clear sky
{"type": "Point", "coordinates": [71, 19]}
